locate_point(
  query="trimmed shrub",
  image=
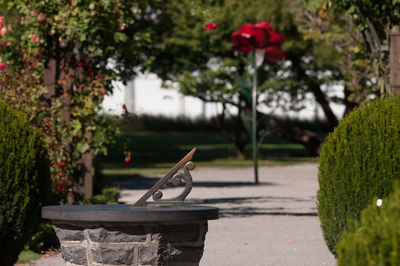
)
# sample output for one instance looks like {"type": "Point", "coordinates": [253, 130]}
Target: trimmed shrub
{"type": "Point", "coordinates": [109, 195]}
{"type": "Point", "coordinates": [375, 240]}
{"type": "Point", "coordinates": [24, 182]}
{"type": "Point", "coordinates": [358, 162]}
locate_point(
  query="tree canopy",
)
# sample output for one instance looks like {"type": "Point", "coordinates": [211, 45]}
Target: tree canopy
{"type": "Point", "coordinates": [200, 62]}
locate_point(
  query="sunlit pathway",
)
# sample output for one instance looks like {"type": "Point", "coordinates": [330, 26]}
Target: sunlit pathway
{"type": "Point", "coordinates": [274, 223]}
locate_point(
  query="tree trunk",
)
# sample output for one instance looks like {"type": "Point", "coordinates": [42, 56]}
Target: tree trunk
{"type": "Point", "coordinates": [349, 106]}
{"type": "Point", "coordinates": [323, 102]}
{"type": "Point", "coordinates": [305, 137]}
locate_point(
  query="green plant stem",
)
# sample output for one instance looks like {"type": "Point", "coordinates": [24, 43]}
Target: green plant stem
{"type": "Point", "coordinates": [254, 120]}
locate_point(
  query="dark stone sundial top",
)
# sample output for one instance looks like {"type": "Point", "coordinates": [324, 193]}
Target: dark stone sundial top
{"type": "Point", "coordinates": [127, 213]}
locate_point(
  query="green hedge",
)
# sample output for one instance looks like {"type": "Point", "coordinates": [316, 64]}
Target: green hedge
{"type": "Point", "coordinates": [358, 162]}
{"type": "Point", "coordinates": [24, 182]}
{"type": "Point", "coordinates": [375, 240]}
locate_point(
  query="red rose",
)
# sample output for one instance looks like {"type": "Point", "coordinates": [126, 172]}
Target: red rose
{"type": "Point", "coordinates": [274, 54]}
{"type": "Point", "coordinates": [34, 38]}
{"type": "Point", "coordinates": [259, 36]}
{"type": "Point", "coordinates": [3, 67]}
{"type": "Point", "coordinates": [211, 26]}
{"type": "Point", "coordinates": [128, 159]}
{"type": "Point", "coordinates": [79, 64]}
{"type": "Point", "coordinates": [63, 164]}
{"type": "Point", "coordinates": [3, 31]}
{"type": "Point", "coordinates": [124, 106]}
{"type": "Point", "coordinates": [59, 188]}
{"type": "Point", "coordinates": [250, 37]}
{"type": "Point", "coordinates": [1, 21]}
{"type": "Point", "coordinates": [276, 38]}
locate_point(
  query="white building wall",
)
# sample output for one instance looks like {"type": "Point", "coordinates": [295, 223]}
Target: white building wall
{"type": "Point", "coordinates": [144, 95]}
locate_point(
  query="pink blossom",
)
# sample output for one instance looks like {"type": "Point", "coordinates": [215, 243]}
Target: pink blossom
{"type": "Point", "coordinates": [122, 26]}
{"type": "Point", "coordinates": [211, 26]}
{"type": "Point", "coordinates": [8, 44]}
{"type": "Point", "coordinates": [34, 37]}
{"type": "Point", "coordinates": [41, 16]}
{"type": "Point", "coordinates": [128, 159]}
{"type": "Point", "coordinates": [79, 64]}
{"type": "Point", "coordinates": [3, 67]}
{"type": "Point", "coordinates": [3, 31]}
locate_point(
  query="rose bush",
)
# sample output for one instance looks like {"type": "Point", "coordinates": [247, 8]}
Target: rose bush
{"type": "Point", "coordinates": [57, 62]}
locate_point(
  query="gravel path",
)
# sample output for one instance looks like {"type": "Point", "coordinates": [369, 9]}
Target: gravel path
{"type": "Point", "coordinates": [274, 223]}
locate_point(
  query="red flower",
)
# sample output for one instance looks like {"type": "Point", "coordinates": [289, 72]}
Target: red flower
{"type": "Point", "coordinates": [102, 93]}
{"type": "Point", "coordinates": [274, 54]}
{"type": "Point", "coordinates": [1, 21]}
{"type": "Point", "coordinates": [259, 36]}
{"type": "Point", "coordinates": [59, 187]}
{"type": "Point", "coordinates": [63, 164]}
{"type": "Point", "coordinates": [128, 159]}
{"type": "Point", "coordinates": [34, 38]}
{"type": "Point", "coordinates": [3, 67]}
{"type": "Point", "coordinates": [211, 26]}
{"type": "Point", "coordinates": [276, 38]}
{"type": "Point", "coordinates": [124, 106]}
{"type": "Point", "coordinates": [79, 64]}
{"type": "Point", "coordinates": [3, 31]}
{"type": "Point", "coordinates": [250, 37]}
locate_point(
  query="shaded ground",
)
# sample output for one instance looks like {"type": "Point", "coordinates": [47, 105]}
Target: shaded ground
{"type": "Point", "coordinates": [274, 223]}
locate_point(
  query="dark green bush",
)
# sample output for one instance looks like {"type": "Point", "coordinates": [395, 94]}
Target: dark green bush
{"type": "Point", "coordinates": [109, 195]}
{"type": "Point", "coordinates": [358, 162]}
{"type": "Point", "coordinates": [44, 239]}
{"type": "Point", "coordinates": [24, 182]}
{"type": "Point", "coordinates": [375, 240]}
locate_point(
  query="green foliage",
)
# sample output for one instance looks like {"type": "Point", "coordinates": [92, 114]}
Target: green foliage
{"type": "Point", "coordinates": [147, 122]}
{"type": "Point", "coordinates": [358, 162]}
{"type": "Point", "coordinates": [24, 182]}
{"type": "Point", "coordinates": [109, 195]}
{"type": "Point", "coordinates": [44, 239]}
{"type": "Point", "coordinates": [26, 256]}
{"type": "Point", "coordinates": [371, 20]}
{"type": "Point", "coordinates": [375, 239]}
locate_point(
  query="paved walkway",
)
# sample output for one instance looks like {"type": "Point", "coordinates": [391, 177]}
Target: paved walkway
{"type": "Point", "coordinates": [274, 223]}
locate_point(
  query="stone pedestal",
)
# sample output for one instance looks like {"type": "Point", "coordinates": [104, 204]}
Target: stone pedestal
{"type": "Point", "coordinates": [114, 235]}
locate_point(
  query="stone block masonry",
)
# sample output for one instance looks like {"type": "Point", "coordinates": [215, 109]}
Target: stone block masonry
{"type": "Point", "coordinates": [118, 243]}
